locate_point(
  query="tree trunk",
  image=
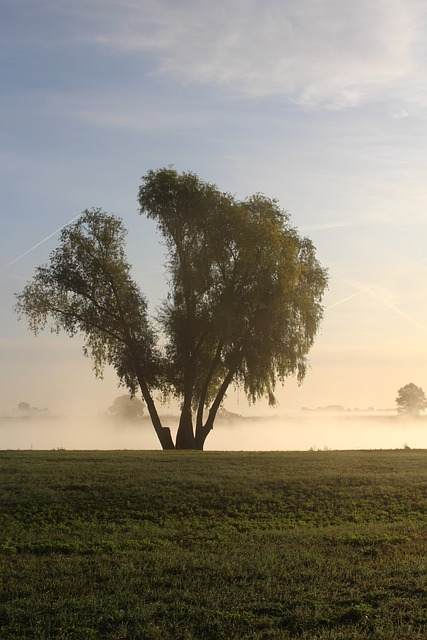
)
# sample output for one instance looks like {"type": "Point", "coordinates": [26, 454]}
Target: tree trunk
{"type": "Point", "coordinates": [185, 434]}
{"type": "Point", "coordinates": [201, 435]}
{"type": "Point", "coordinates": [163, 433]}
{"type": "Point", "coordinates": [203, 430]}
{"type": "Point", "coordinates": [185, 437]}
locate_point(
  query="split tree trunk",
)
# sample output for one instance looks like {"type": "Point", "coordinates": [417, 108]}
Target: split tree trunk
{"type": "Point", "coordinates": [185, 435]}
{"type": "Point", "coordinates": [186, 438]}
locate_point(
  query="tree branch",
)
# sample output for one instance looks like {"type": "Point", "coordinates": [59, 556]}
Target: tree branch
{"type": "Point", "coordinates": [95, 325]}
{"type": "Point", "coordinates": [219, 398]}
{"type": "Point", "coordinates": [215, 362]}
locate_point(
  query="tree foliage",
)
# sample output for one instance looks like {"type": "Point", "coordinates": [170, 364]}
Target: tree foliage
{"type": "Point", "coordinates": [411, 400]}
{"type": "Point", "coordinates": [244, 301]}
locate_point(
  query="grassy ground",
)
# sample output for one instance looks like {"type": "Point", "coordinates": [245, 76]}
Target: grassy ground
{"type": "Point", "coordinates": [182, 546]}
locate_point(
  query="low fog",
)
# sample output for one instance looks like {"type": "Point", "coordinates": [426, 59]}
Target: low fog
{"type": "Point", "coordinates": [296, 431]}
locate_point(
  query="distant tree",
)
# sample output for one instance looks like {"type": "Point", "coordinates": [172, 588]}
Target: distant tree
{"type": "Point", "coordinates": [411, 400]}
{"type": "Point", "coordinates": [25, 407]}
{"type": "Point", "coordinates": [127, 408]}
{"type": "Point", "coordinates": [244, 304]}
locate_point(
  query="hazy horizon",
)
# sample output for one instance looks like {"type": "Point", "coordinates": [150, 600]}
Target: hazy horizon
{"type": "Point", "coordinates": [297, 431]}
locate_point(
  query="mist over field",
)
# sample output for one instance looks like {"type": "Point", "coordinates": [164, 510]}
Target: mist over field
{"type": "Point", "coordinates": [296, 431]}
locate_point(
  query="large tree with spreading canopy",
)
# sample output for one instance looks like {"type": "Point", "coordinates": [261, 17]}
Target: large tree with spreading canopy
{"type": "Point", "coordinates": [243, 308]}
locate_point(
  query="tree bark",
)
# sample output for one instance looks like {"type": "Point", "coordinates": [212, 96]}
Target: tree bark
{"type": "Point", "coordinates": [203, 431]}
{"type": "Point", "coordinates": [185, 437]}
{"type": "Point", "coordinates": [185, 434]}
{"type": "Point", "coordinates": [165, 438]}
{"type": "Point", "coordinates": [163, 433]}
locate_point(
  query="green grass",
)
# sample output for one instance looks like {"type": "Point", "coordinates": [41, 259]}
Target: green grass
{"type": "Point", "coordinates": [180, 546]}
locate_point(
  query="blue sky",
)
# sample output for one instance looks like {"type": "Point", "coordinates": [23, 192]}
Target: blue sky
{"type": "Point", "coordinates": [321, 104]}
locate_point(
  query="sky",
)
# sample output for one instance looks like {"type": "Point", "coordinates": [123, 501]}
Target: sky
{"type": "Point", "coordinates": [319, 103]}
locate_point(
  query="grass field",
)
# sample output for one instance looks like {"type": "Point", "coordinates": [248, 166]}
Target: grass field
{"type": "Point", "coordinates": [182, 546]}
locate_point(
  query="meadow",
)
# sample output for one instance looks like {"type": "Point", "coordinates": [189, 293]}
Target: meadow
{"type": "Point", "coordinates": [180, 546]}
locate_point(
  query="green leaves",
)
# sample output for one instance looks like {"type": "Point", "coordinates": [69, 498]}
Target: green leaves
{"type": "Point", "coordinates": [244, 303]}
{"type": "Point", "coordinates": [241, 278]}
{"type": "Point", "coordinates": [87, 288]}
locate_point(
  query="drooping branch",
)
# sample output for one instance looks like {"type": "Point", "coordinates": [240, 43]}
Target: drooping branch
{"type": "Point", "coordinates": [163, 433]}
{"type": "Point", "coordinates": [84, 321]}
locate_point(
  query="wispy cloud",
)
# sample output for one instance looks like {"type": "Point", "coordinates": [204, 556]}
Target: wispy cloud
{"type": "Point", "coordinates": [331, 53]}
{"type": "Point", "coordinates": [328, 53]}
{"type": "Point", "coordinates": [400, 114]}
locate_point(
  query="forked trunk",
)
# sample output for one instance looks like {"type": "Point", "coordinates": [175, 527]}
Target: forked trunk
{"type": "Point", "coordinates": [185, 434]}
{"type": "Point", "coordinates": [186, 438]}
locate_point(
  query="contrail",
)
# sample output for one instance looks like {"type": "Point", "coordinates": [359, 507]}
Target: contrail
{"type": "Point", "coordinates": [388, 305]}
{"type": "Point", "coordinates": [402, 314]}
{"type": "Point", "coordinates": [330, 225]}
{"type": "Point", "coordinates": [344, 300]}
{"type": "Point", "coordinates": [339, 224]}
{"type": "Point", "coordinates": [39, 243]}
{"type": "Point", "coordinates": [353, 285]}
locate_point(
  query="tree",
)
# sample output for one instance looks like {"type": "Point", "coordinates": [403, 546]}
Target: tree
{"type": "Point", "coordinates": [411, 400]}
{"type": "Point", "coordinates": [244, 303]}
{"type": "Point", "coordinates": [127, 408]}
{"type": "Point", "coordinates": [26, 408]}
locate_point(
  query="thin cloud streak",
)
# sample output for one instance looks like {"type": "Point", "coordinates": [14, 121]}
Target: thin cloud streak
{"type": "Point", "coordinates": [340, 224]}
{"type": "Point", "coordinates": [402, 314]}
{"type": "Point", "coordinates": [39, 243]}
{"type": "Point", "coordinates": [371, 291]}
{"type": "Point", "coordinates": [344, 300]}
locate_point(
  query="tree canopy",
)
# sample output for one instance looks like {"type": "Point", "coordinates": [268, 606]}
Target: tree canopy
{"type": "Point", "coordinates": [244, 302]}
{"type": "Point", "coordinates": [411, 400]}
